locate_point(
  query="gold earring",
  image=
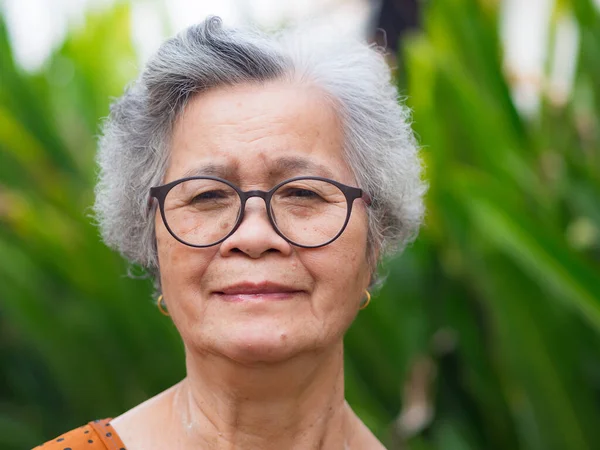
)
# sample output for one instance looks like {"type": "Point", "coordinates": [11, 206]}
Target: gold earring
{"type": "Point", "coordinates": [161, 308]}
{"type": "Point", "coordinates": [366, 303]}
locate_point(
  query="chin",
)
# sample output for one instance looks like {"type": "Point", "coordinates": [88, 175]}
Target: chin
{"type": "Point", "coordinates": [261, 342]}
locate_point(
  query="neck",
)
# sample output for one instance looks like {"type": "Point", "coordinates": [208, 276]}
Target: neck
{"type": "Point", "coordinates": [298, 403]}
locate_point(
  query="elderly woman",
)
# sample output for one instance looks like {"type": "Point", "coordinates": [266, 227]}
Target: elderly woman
{"type": "Point", "coordinates": [259, 179]}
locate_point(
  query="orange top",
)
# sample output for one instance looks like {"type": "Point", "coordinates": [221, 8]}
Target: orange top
{"type": "Point", "coordinates": [96, 435]}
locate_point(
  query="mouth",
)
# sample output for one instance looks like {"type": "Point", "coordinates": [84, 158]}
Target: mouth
{"type": "Point", "coordinates": [264, 291]}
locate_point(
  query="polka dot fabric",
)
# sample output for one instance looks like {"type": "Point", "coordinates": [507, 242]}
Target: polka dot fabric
{"type": "Point", "coordinates": [96, 435]}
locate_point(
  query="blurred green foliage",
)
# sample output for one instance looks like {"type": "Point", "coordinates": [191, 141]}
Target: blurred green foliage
{"type": "Point", "coordinates": [487, 332]}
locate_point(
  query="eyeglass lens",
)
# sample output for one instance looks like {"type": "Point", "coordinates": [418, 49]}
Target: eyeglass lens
{"type": "Point", "coordinates": [307, 212]}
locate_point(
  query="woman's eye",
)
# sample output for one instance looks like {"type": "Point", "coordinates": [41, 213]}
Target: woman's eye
{"type": "Point", "coordinates": [208, 195]}
{"type": "Point", "coordinates": [301, 193]}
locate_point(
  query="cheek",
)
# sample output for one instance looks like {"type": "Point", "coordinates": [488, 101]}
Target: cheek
{"type": "Point", "coordinates": [340, 270]}
{"type": "Point", "coordinates": [166, 250]}
{"type": "Point", "coordinates": [181, 271]}
{"type": "Point", "coordinates": [179, 264]}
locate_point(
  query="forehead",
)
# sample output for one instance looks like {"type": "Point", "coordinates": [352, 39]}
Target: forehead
{"type": "Point", "coordinates": [258, 131]}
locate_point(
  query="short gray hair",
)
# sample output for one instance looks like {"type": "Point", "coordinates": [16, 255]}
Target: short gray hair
{"type": "Point", "coordinates": [380, 147]}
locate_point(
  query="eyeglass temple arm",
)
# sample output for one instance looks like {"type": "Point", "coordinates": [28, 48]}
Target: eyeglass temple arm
{"type": "Point", "coordinates": [366, 198]}
{"type": "Point", "coordinates": [151, 199]}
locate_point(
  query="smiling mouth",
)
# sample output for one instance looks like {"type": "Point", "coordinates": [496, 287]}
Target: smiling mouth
{"type": "Point", "coordinates": [271, 296]}
{"type": "Point", "coordinates": [247, 292]}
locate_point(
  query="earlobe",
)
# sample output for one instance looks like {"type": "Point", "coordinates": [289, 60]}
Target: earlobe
{"type": "Point", "coordinates": [367, 300]}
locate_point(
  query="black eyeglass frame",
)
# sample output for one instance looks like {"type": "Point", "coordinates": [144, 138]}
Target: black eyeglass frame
{"type": "Point", "coordinates": [351, 193]}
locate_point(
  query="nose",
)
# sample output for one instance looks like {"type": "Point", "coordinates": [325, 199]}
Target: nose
{"type": "Point", "coordinates": [255, 236]}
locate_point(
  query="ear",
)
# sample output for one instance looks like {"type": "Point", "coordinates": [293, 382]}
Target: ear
{"type": "Point", "coordinates": [372, 267]}
{"type": "Point", "coordinates": [373, 253]}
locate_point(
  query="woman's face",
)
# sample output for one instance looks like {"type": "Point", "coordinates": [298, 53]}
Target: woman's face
{"type": "Point", "coordinates": [256, 136]}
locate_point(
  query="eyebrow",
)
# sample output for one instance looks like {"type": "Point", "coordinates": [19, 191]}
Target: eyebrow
{"type": "Point", "coordinates": [289, 165]}
{"type": "Point", "coordinates": [284, 166]}
{"type": "Point", "coordinates": [212, 170]}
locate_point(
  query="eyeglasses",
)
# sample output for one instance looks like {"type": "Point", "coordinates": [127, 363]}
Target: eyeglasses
{"type": "Point", "coordinates": [307, 212]}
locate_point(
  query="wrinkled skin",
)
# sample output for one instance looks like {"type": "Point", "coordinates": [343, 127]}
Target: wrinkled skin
{"type": "Point", "coordinates": [248, 129]}
{"type": "Point", "coordinates": [262, 373]}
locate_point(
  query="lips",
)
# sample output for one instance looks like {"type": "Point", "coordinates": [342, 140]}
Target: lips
{"type": "Point", "coordinates": [257, 291]}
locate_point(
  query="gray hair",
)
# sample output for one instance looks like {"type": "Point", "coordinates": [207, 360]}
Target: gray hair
{"type": "Point", "coordinates": [380, 147]}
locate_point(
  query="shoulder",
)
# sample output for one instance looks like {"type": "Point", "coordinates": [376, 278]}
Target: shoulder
{"type": "Point", "coordinates": [95, 435]}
